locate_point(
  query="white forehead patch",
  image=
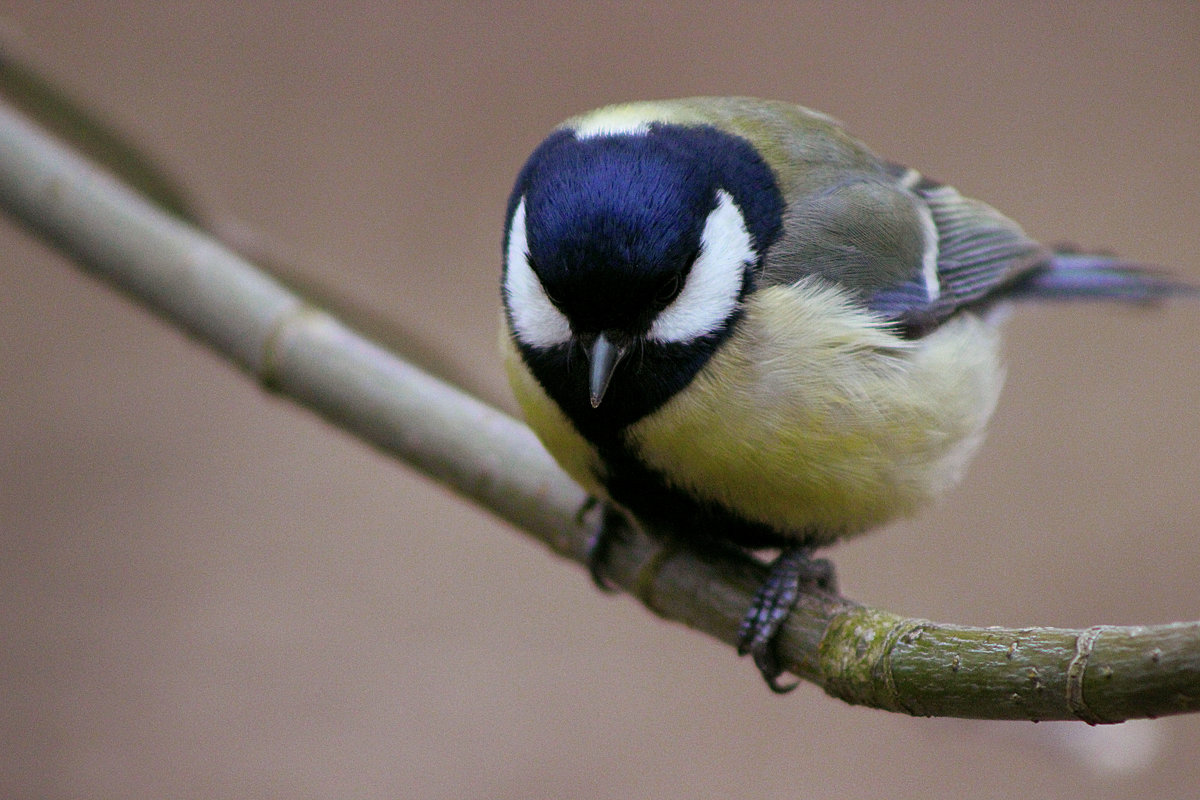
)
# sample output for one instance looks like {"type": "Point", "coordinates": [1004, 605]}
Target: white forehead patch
{"type": "Point", "coordinates": [710, 294]}
{"type": "Point", "coordinates": [608, 127]}
{"type": "Point", "coordinates": [535, 320]}
{"type": "Point", "coordinates": [618, 121]}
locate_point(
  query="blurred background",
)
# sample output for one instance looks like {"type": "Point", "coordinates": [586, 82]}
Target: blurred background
{"type": "Point", "coordinates": [207, 592]}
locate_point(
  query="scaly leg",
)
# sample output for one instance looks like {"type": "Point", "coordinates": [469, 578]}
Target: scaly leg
{"type": "Point", "coordinates": [791, 572]}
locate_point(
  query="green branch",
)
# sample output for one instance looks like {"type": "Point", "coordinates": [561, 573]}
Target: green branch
{"type": "Point", "coordinates": [861, 655]}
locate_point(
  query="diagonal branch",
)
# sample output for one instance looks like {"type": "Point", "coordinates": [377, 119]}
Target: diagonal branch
{"type": "Point", "coordinates": [859, 654]}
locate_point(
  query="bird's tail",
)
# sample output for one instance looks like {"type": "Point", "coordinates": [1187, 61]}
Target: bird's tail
{"type": "Point", "coordinates": [1081, 276]}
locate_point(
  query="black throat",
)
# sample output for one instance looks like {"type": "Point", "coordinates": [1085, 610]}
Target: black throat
{"type": "Point", "coordinates": [649, 375]}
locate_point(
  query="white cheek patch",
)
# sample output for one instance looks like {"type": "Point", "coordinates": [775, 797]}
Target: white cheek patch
{"type": "Point", "coordinates": [535, 320]}
{"type": "Point", "coordinates": [710, 294]}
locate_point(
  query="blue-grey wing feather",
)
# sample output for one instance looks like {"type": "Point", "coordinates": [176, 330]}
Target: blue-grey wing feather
{"type": "Point", "coordinates": [979, 252]}
{"type": "Point", "coordinates": [916, 252]}
{"type": "Point", "coordinates": [982, 256]}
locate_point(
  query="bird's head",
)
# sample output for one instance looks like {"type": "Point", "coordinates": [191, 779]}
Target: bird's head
{"type": "Point", "coordinates": [632, 250]}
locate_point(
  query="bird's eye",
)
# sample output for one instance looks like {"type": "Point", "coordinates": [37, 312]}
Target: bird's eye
{"type": "Point", "coordinates": [668, 291]}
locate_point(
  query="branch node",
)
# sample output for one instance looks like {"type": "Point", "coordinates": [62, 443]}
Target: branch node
{"type": "Point", "coordinates": [855, 656]}
{"type": "Point", "coordinates": [647, 576]}
{"type": "Point", "coordinates": [1085, 643]}
{"type": "Point", "coordinates": [269, 370]}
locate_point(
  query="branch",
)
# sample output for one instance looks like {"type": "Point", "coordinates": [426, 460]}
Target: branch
{"type": "Point", "coordinates": [24, 84]}
{"type": "Point", "coordinates": [859, 654]}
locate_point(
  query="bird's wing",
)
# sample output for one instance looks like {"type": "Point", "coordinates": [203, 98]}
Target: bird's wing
{"type": "Point", "coordinates": [915, 252]}
{"type": "Point", "coordinates": [973, 254]}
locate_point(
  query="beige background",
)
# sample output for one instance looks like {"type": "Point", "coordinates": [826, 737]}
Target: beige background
{"type": "Point", "coordinates": [208, 593]}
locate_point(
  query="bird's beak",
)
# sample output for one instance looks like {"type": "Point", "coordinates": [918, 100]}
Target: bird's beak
{"type": "Point", "coordinates": [603, 357]}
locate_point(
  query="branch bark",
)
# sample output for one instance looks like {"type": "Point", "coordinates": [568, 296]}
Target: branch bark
{"type": "Point", "coordinates": [859, 654]}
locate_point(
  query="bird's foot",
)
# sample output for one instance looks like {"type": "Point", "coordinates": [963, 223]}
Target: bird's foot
{"type": "Point", "coordinates": [790, 573]}
{"type": "Point", "coordinates": [613, 528]}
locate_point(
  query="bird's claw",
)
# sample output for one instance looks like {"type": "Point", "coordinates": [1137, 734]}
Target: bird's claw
{"type": "Point", "coordinates": [789, 575]}
{"type": "Point", "coordinates": [613, 528]}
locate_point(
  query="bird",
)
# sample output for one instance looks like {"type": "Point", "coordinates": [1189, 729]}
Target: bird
{"type": "Point", "coordinates": [731, 320]}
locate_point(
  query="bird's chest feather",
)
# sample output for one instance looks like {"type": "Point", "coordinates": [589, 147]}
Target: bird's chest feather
{"type": "Point", "coordinates": [805, 422]}
{"type": "Point", "coordinates": [817, 426]}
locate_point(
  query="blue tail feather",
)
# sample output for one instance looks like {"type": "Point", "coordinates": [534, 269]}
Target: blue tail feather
{"type": "Point", "coordinates": [1080, 276]}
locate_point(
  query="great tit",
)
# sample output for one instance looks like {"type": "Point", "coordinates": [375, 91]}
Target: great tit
{"type": "Point", "coordinates": [732, 320]}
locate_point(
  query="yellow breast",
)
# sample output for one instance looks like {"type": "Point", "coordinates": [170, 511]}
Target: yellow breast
{"type": "Point", "coordinates": [810, 419]}
{"type": "Point", "coordinates": [570, 450]}
{"type": "Point", "coordinates": [813, 421]}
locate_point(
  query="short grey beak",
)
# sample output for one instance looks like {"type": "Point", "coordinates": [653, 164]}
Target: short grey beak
{"type": "Point", "coordinates": [603, 357]}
